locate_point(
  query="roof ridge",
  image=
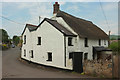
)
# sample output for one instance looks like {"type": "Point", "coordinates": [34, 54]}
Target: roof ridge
{"type": "Point", "coordinates": [50, 19]}
{"type": "Point", "coordinates": [32, 25]}
{"type": "Point", "coordinates": [74, 16]}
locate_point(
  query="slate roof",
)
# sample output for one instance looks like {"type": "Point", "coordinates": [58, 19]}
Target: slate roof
{"type": "Point", "coordinates": [54, 23]}
{"type": "Point", "coordinates": [83, 28]}
{"type": "Point", "coordinates": [101, 48]}
{"type": "Point", "coordinates": [30, 27]}
{"type": "Point", "coordinates": [60, 27]}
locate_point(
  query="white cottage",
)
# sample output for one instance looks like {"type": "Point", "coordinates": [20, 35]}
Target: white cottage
{"type": "Point", "coordinates": [62, 41]}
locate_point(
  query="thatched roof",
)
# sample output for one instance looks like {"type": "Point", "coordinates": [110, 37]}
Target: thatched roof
{"type": "Point", "coordinates": [83, 28]}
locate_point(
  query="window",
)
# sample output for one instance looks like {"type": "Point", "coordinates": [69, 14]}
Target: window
{"type": "Point", "coordinates": [24, 39]}
{"type": "Point", "coordinates": [99, 42]}
{"type": "Point", "coordinates": [24, 53]}
{"type": "Point", "coordinates": [39, 41]}
{"type": "Point", "coordinates": [85, 56]}
{"type": "Point", "coordinates": [49, 56]}
{"type": "Point", "coordinates": [104, 42]}
{"type": "Point", "coordinates": [70, 55]}
{"type": "Point", "coordinates": [86, 42]}
{"type": "Point", "coordinates": [31, 53]}
{"type": "Point", "coordinates": [70, 41]}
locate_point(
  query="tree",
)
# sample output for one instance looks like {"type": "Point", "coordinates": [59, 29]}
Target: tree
{"type": "Point", "coordinates": [4, 36]}
{"type": "Point", "coordinates": [113, 38]}
{"type": "Point", "coordinates": [16, 40]}
{"type": "Point", "coordinates": [115, 46]}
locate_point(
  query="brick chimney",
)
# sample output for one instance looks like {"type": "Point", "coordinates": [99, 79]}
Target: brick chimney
{"type": "Point", "coordinates": [56, 7]}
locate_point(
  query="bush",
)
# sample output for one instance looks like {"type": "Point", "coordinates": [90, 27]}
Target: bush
{"type": "Point", "coordinates": [115, 46]}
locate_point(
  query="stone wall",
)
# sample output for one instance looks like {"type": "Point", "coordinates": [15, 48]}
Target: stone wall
{"type": "Point", "coordinates": [101, 68]}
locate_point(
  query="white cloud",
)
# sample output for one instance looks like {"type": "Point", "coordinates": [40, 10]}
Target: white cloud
{"type": "Point", "coordinates": [111, 6]}
{"type": "Point", "coordinates": [41, 9]}
{"type": "Point", "coordinates": [34, 11]}
{"type": "Point", "coordinates": [112, 26]}
{"type": "Point", "coordinates": [74, 7]}
{"type": "Point", "coordinates": [25, 5]}
{"type": "Point", "coordinates": [62, 3]}
{"type": "Point", "coordinates": [37, 9]}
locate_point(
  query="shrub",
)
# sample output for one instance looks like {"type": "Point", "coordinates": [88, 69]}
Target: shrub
{"type": "Point", "coordinates": [4, 46]}
{"type": "Point", "coordinates": [115, 46]}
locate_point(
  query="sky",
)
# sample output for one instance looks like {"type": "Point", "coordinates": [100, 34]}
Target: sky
{"type": "Point", "coordinates": [29, 12]}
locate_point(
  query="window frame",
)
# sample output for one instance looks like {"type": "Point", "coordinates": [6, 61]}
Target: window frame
{"type": "Point", "coordinates": [86, 42]}
{"type": "Point", "coordinates": [70, 41]}
{"type": "Point", "coordinates": [70, 55]}
{"type": "Point", "coordinates": [24, 52]}
{"type": "Point", "coordinates": [49, 58]}
{"type": "Point", "coordinates": [85, 56]}
{"type": "Point", "coordinates": [39, 40]}
{"type": "Point", "coordinates": [99, 42]}
{"type": "Point", "coordinates": [24, 39]}
{"type": "Point", "coordinates": [104, 42]}
{"type": "Point", "coordinates": [32, 56]}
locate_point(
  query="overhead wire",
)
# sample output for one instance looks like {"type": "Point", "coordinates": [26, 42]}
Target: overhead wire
{"type": "Point", "coordinates": [104, 15]}
{"type": "Point", "coordinates": [19, 22]}
{"type": "Point", "coordinates": [11, 20]}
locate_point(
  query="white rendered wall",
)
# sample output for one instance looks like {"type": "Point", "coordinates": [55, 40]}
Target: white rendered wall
{"type": "Point", "coordinates": [52, 40]}
{"type": "Point", "coordinates": [28, 44]}
{"type": "Point", "coordinates": [79, 44]}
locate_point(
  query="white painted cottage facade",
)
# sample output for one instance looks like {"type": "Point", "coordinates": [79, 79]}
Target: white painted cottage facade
{"type": "Point", "coordinates": [54, 40]}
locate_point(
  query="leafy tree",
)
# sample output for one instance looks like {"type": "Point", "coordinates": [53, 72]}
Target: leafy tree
{"type": "Point", "coordinates": [113, 38]}
{"type": "Point", "coordinates": [16, 40]}
{"type": "Point", "coordinates": [4, 36]}
{"type": "Point", "coordinates": [115, 46]}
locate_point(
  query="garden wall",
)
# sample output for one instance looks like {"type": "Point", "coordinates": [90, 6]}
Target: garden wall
{"type": "Point", "coordinates": [101, 68]}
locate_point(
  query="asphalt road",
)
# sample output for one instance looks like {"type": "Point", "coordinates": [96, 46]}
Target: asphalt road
{"type": "Point", "coordinates": [12, 67]}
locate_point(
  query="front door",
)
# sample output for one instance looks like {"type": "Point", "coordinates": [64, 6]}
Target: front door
{"type": "Point", "coordinates": [77, 62]}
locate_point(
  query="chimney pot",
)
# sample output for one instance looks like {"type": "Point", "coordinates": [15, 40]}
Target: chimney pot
{"type": "Point", "coordinates": [56, 7]}
{"type": "Point", "coordinates": [56, 2]}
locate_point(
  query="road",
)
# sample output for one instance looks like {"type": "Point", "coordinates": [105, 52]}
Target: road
{"type": "Point", "coordinates": [12, 67]}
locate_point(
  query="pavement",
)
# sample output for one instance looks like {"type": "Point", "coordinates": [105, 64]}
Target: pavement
{"type": "Point", "coordinates": [14, 67]}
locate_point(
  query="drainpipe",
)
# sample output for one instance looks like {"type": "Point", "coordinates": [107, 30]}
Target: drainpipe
{"type": "Point", "coordinates": [65, 49]}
